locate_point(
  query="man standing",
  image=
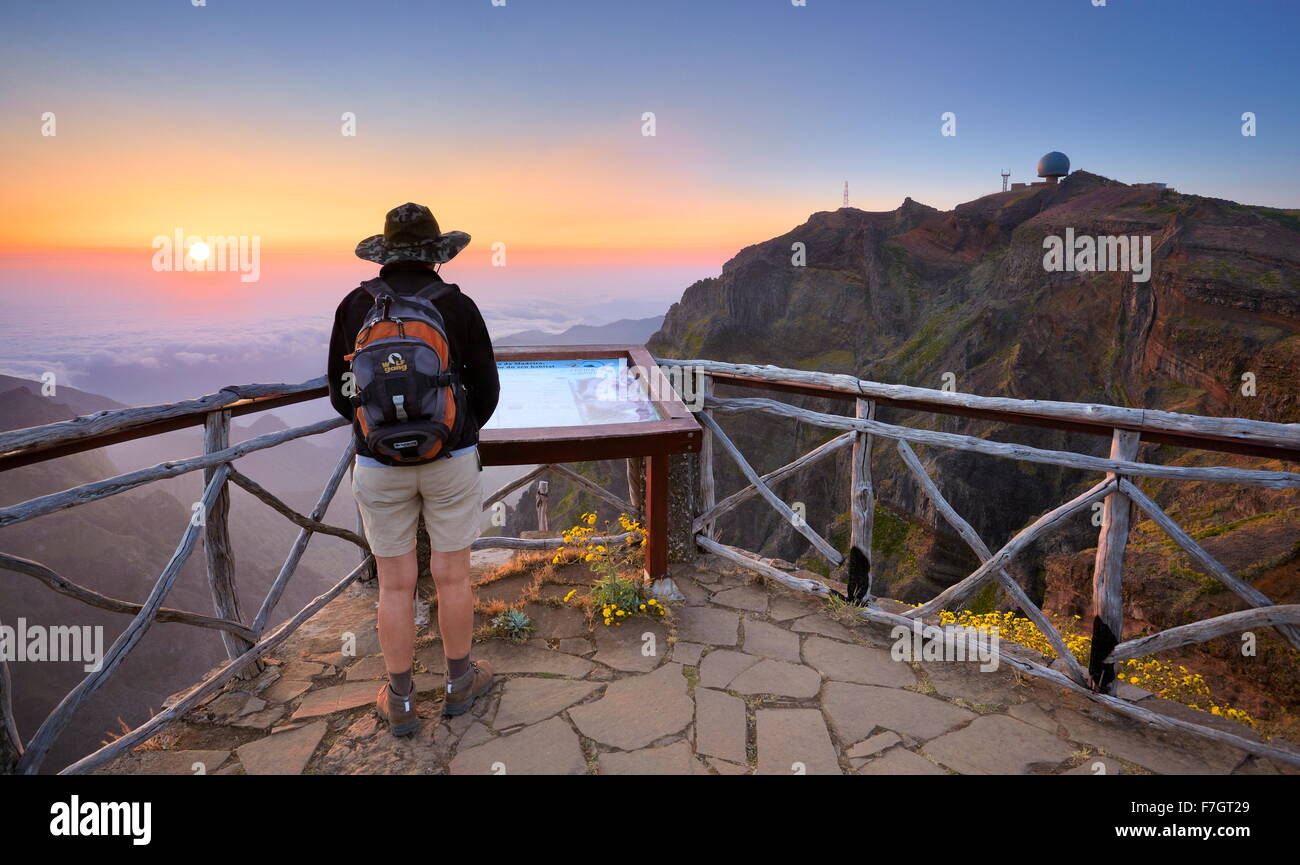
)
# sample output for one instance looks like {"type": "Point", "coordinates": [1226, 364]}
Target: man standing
{"type": "Point", "coordinates": [447, 488]}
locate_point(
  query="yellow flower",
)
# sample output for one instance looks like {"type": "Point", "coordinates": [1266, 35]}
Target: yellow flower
{"type": "Point", "coordinates": [607, 620]}
{"type": "Point", "coordinates": [605, 612]}
{"type": "Point", "coordinates": [643, 606]}
{"type": "Point", "coordinates": [652, 602]}
{"type": "Point", "coordinates": [571, 593]}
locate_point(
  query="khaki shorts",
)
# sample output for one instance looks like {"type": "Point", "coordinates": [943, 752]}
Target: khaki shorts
{"type": "Point", "coordinates": [448, 491]}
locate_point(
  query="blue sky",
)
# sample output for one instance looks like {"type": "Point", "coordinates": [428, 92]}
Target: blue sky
{"type": "Point", "coordinates": [761, 99]}
{"type": "Point", "coordinates": [521, 124]}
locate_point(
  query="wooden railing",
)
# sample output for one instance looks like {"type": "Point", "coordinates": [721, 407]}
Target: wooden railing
{"type": "Point", "coordinates": [246, 644]}
{"type": "Point", "coordinates": [1124, 426]}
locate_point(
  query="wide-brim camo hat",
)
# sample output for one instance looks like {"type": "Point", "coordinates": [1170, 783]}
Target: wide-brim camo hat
{"type": "Point", "coordinates": [412, 234]}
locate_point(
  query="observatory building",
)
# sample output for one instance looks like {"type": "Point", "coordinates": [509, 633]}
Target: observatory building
{"type": "Point", "coordinates": [1051, 167]}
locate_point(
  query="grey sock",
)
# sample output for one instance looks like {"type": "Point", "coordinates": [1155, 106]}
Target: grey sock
{"type": "Point", "coordinates": [399, 684]}
{"type": "Point", "coordinates": [457, 667]}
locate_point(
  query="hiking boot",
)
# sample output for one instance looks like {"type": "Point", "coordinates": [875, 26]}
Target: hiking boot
{"type": "Point", "coordinates": [463, 691]}
{"type": "Point", "coordinates": [399, 712]}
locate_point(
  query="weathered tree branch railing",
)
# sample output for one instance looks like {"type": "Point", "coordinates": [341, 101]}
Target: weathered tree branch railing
{"type": "Point", "coordinates": [245, 645]}
{"type": "Point", "coordinates": [1126, 427]}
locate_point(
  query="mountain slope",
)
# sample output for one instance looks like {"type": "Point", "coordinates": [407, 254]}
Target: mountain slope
{"type": "Point", "coordinates": [909, 295]}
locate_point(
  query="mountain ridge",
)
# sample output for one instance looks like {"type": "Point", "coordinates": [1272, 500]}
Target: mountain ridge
{"type": "Point", "coordinates": [911, 295]}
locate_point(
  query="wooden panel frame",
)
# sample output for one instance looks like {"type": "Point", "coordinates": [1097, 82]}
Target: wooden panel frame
{"type": "Point", "coordinates": [677, 432]}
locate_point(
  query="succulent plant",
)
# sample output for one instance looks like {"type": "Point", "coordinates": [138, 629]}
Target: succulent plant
{"type": "Point", "coordinates": [513, 624]}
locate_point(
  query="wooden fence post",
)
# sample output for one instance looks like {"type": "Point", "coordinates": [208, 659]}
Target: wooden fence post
{"type": "Point", "coordinates": [216, 543]}
{"type": "Point", "coordinates": [708, 482]}
{"type": "Point", "coordinates": [636, 487]}
{"type": "Point", "coordinates": [543, 492]}
{"type": "Point", "coordinates": [1108, 571]}
{"type": "Point", "coordinates": [656, 516]}
{"type": "Point", "coordinates": [862, 507]}
{"type": "Point", "coordinates": [11, 745]}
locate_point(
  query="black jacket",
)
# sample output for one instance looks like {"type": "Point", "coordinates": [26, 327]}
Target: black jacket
{"type": "Point", "coordinates": [467, 336]}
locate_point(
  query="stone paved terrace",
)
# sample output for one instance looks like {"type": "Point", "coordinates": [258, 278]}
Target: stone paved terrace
{"type": "Point", "coordinates": [748, 677]}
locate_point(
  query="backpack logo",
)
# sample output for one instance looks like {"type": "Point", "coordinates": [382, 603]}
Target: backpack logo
{"type": "Point", "coordinates": [395, 363]}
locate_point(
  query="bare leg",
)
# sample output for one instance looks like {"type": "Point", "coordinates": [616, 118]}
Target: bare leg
{"type": "Point", "coordinates": [397, 576]}
{"type": "Point", "coordinates": [455, 600]}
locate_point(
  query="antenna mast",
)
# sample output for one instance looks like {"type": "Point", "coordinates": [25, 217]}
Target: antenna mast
{"type": "Point", "coordinates": [846, 193]}
{"type": "Point", "coordinates": [1005, 175]}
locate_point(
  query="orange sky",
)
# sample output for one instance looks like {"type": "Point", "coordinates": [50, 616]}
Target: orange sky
{"type": "Point", "coordinates": [114, 182]}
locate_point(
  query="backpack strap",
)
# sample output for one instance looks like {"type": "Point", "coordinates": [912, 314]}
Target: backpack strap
{"type": "Point", "coordinates": [377, 288]}
{"type": "Point", "coordinates": [432, 291]}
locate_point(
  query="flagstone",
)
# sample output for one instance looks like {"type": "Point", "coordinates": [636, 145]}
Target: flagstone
{"type": "Point", "coordinates": [284, 753]}
{"type": "Point", "coordinates": [704, 575]}
{"type": "Point", "coordinates": [1090, 766]}
{"type": "Point", "coordinates": [751, 598]}
{"type": "Point", "coordinates": [720, 727]}
{"type": "Point", "coordinates": [788, 605]}
{"type": "Point", "coordinates": [817, 623]}
{"type": "Point", "coordinates": [1032, 713]}
{"type": "Point", "coordinates": [674, 759]}
{"type": "Point", "coordinates": [368, 668]}
{"type": "Point", "coordinates": [528, 700]}
{"type": "Point", "coordinates": [695, 594]}
{"type": "Point", "coordinates": [263, 720]}
{"type": "Point", "coordinates": [1160, 752]}
{"type": "Point", "coordinates": [770, 641]}
{"type": "Point", "coordinates": [687, 654]}
{"type": "Point", "coordinates": [638, 710]}
{"type": "Point", "coordinates": [560, 622]}
{"type": "Point", "coordinates": [626, 648]}
{"type": "Point", "coordinates": [779, 678]}
{"type": "Point", "coordinates": [873, 745]}
{"type": "Point", "coordinates": [845, 662]}
{"type": "Point", "coordinates": [477, 734]}
{"type": "Point", "coordinates": [794, 742]}
{"type": "Point", "coordinates": [900, 761]}
{"type": "Point", "coordinates": [708, 625]}
{"type": "Point", "coordinates": [618, 711]}
{"type": "Point", "coordinates": [855, 711]}
{"type": "Point", "coordinates": [725, 768]}
{"type": "Point", "coordinates": [300, 669]}
{"type": "Point", "coordinates": [195, 762]}
{"type": "Point", "coordinates": [720, 666]}
{"type": "Point", "coordinates": [967, 680]}
{"type": "Point", "coordinates": [576, 646]}
{"type": "Point", "coordinates": [548, 748]}
{"type": "Point", "coordinates": [506, 657]}
{"type": "Point", "coordinates": [999, 745]}
{"type": "Point", "coordinates": [336, 698]}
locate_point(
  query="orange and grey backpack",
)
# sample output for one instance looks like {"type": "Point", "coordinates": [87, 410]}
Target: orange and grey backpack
{"type": "Point", "coordinates": [409, 400]}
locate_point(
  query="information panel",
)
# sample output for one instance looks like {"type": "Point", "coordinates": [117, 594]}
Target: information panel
{"type": "Point", "coordinates": [570, 392]}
